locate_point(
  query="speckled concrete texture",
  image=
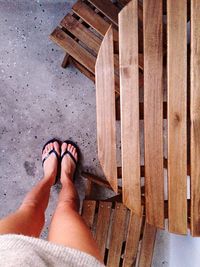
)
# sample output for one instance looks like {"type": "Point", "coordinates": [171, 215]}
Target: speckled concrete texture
{"type": "Point", "coordinates": [38, 100]}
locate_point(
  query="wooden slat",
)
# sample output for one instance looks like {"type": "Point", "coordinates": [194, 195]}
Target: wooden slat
{"type": "Point", "coordinates": [107, 8]}
{"type": "Point", "coordinates": [147, 247]}
{"type": "Point", "coordinates": [82, 69]}
{"type": "Point", "coordinates": [117, 234]}
{"type": "Point", "coordinates": [90, 75]}
{"type": "Point", "coordinates": [153, 112]}
{"type": "Point", "coordinates": [74, 49]}
{"type": "Point", "coordinates": [88, 212]}
{"type": "Point", "coordinates": [81, 32]}
{"type": "Point", "coordinates": [105, 108]}
{"type": "Point", "coordinates": [140, 61]}
{"type": "Point", "coordinates": [177, 108]}
{"type": "Point", "coordinates": [103, 222]}
{"type": "Point", "coordinates": [93, 19]}
{"type": "Point", "coordinates": [129, 94]}
{"type": "Point", "coordinates": [99, 181]}
{"type": "Point", "coordinates": [88, 190]}
{"type": "Point", "coordinates": [123, 2]}
{"type": "Point", "coordinates": [132, 240]}
{"type": "Point", "coordinates": [195, 117]}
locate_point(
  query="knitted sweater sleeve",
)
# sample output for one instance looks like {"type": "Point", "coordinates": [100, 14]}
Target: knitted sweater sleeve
{"type": "Point", "coordinates": [19, 250]}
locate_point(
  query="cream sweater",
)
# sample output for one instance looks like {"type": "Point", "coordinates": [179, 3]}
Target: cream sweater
{"type": "Point", "coordinates": [19, 250]}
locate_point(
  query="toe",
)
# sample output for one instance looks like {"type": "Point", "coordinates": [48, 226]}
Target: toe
{"type": "Point", "coordinates": [51, 146]}
{"type": "Point", "coordinates": [63, 147]}
{"type": "Point", "coordinates": [44, 152]}
{"type": "Point", "coordinates": [48, 148]}
{"type": "Point", "coordinates": [73, 150]}
{"type": "Point", "coordinates": [76, 155]}
{"type": "Point", "coordinates": [56, 147]}
{"type": "Point", "coordinates": [70, 148]}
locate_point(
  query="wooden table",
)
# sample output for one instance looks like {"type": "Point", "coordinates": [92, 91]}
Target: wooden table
{"type": "Point", "coordinates": [180, 63]}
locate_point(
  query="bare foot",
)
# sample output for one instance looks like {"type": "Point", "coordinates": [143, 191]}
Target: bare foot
{"type": "Point", "coordinates": [51, 163]}
{"type": "Point", "coordinates": [68, 166]}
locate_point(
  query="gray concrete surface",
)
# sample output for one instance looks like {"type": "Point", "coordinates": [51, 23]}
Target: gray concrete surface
{"type": "Point", "coordinates": [40, 100]}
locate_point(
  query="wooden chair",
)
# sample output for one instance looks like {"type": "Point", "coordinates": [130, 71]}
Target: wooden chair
{"type": "Point", "coordinates": [124, 238]}
{"type": "Point", "coordinates": [81, 32]}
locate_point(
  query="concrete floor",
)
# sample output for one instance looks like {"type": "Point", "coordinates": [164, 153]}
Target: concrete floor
{"type": "Point", "coordinates": [40, 100]}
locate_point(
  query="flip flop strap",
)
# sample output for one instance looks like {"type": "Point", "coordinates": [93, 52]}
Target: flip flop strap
{"type": "Point", "coordinates": [70, 154]}
{"type": "Point", "coordinates": [50, 152]}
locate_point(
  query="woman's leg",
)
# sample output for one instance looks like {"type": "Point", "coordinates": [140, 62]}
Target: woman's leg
{"type": "Point", "coordinates": [67, 226]}
{"type": "Point", "coordinates": [29, 218]}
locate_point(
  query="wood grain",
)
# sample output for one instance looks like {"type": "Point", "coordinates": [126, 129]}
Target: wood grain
{"type": "Point", "coordinates": [74, 49]}
{"type": "Point", "coordinates": [105, 109]}
{"type": "Point", "coordinates": [129, 96]}
{"type": "Point", "coordinates": [99, 181]}
{"type": "Point", "coordinates": [88, 212]}
{"type": "Point", "coordinates": [107, 8]}
{"type": "Point", "coordinates": [82, 69]}
{"type": "Point", "coordinates": [65, 61]}
{"type": "Point", "coordinates": [103, 222]}
{"type": "Point", "coordinates": [117, 235]}
{"type": "Point", "coordinates": [132, 240]}
{"type": "Point", "coordinates": [153, 112]}
{"type": "Point", "coordinates": [81, 32]}
{"type": "Point", "coordinates": [93, 19]}
{"type": "Point", "coordinates": [177, 115]}
{"type": "Point", "coordinates": [195, 117]}
{"type": "Point", "coordinates": [147, 248]}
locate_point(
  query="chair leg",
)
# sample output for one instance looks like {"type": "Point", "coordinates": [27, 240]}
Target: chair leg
{"type": "Point", "coordinates": [65, 62]}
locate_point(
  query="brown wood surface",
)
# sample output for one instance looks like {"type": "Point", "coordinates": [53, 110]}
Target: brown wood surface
{"type": "Point", "coordinates": [93, 19]}
{"type": "Point", "coordinates": [107, 8]}
{"type": "Point", "coordinates": [153, 112]}
{"type": "Point", "coordinates": [99, 181]}
{"type": "Point", "coordinates": [88, 212]}
{"type": "Point", "coordinates": [117, 235]}
{"type": "Point", "coordinates": [147, 247]}
{"type": "Point", "coordinates": [79, 56]}
{"type": "Point", "coordinates": [82, 69]}
{"type": "Point", "coordinates": [195, 117]}
{"type": "Point", "coordinates": [129, 95]}
{"type": "Point", "coordinates": [88, 189]}
{"type": "Point", "coordinates": [65, 61]}
{"type": "Point", "coordinates": [81, 32]}
{"type": "Point", "coordinates": [74, 49]}
{"type": "Point", "coordinates": [177, 108]}
{"type": "Point", "coordinates": [132, 240]}
{"type": "Point", "coordinates": [105, 109]}
{"type": "Point", "coordinates": [103, 222]}
{"type": "Point", "coordinates": [124, 2]}
{"type": "Point", "coordinates": [91, 76]}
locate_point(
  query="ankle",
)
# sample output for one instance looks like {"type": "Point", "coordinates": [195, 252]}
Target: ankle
{"type": "Point", "coordinates": [65, 176]}
{"type": "Point", "coordinates": [49, 179]}
{"type": "Point", "coordinates": [66, 182]}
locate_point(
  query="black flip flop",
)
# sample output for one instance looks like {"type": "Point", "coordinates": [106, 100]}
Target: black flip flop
{"type": "Point", "coordinates": [69, 142]}
{"type": "Point", "coordinates": [57, 156]}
